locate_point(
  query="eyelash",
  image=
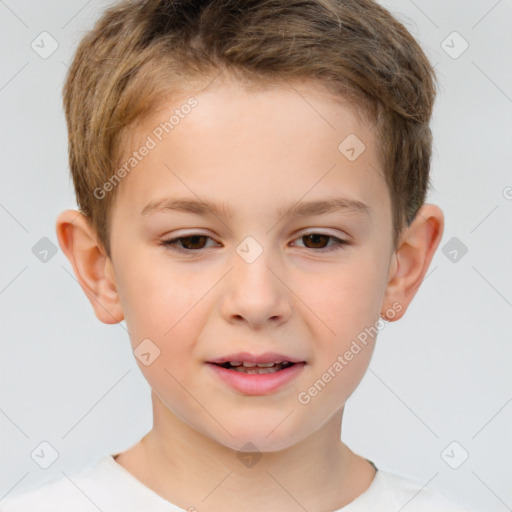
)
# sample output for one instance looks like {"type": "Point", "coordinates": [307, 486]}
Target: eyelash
{"type": "Point", "coordinates": [172, 243]}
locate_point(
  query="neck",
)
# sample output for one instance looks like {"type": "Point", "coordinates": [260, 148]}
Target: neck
{"type": "Point", "coordinates": [191, 470]}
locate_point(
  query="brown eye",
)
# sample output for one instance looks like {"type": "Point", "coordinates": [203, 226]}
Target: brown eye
{"type": "Point", "coordinates": [317, 240]}
{"type": "Point", "coordinates": [320, 242]}
{"type": "Point", "coordinates": [192, 242]}
{"type": "Point", "coordinates": [188, 243]}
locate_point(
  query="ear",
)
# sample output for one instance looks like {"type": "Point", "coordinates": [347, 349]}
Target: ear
{"type": "Point", "coordinates": [412, 258]}
{"type": "Point", "coordinates": [93, 269]}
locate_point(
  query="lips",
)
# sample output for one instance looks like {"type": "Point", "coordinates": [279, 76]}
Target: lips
{"type": "Point", "coordinates": [255, 359]}
{"type": "Point", "coordinates": [256, 364]}
{"type": "Point", "coordinates": [256, 380]}
{"type": "Point", "coordinates": [256, 374]}
{"type": "Point", "coordinates": [255, 368]}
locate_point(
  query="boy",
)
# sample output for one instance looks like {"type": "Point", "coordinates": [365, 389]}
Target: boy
{"type": "Point", "coordinates": [251, 177]}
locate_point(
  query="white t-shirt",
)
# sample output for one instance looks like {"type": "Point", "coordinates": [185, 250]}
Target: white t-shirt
{"type": "Point", "coordinates": [108, 487]}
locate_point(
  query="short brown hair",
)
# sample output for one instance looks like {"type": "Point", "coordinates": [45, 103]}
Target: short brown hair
{"type": "Point", "coordinates": [140, 51]}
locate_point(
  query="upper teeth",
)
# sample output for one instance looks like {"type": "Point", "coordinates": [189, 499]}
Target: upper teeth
{"type": "Point", "coordinates": [252, 365]}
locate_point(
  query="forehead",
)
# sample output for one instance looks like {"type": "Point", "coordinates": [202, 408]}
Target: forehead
{"type": "Point", "coordinates": [239, 142]}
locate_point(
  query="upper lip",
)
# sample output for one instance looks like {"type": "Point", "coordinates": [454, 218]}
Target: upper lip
{"type": "Point", "coordinates": [267, 357]}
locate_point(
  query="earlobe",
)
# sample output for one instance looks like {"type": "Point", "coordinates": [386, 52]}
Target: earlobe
{"type": "Point", "coordinates": [92, 268]}
{"type": "Point", "coordinates": [413, 257]}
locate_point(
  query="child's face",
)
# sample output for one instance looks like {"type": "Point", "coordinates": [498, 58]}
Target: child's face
{"type": "Point", "coordinates": [254, 154]}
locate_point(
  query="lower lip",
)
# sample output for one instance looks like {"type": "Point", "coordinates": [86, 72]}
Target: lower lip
{"type": "Point", "coordinates": [257, 384]}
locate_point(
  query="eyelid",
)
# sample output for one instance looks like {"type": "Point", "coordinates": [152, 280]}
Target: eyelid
{"type": "Point", "coordinates": [340, 242]}
{"type": "Point", "coordinates": [171, 243]}
{"type": "Point", "coordinates": [320, 231]}
{"type": "Point", "coordinates": [179, 236]}
{"type": "Point", "coordinates": [298, 234]}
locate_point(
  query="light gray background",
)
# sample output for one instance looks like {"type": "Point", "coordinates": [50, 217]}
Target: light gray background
{"type": "Point", "coordinates": [441, 374]}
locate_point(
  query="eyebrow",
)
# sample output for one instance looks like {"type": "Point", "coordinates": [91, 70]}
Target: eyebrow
{"type": "Point", "coordinates": [300, 209]}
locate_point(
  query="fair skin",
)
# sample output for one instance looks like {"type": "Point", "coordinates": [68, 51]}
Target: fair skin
{"type": "Point", "coordinates": [253, 152]}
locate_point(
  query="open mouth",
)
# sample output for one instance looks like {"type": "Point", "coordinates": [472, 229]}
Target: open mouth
{"type": "Point", "coordinates": [255, 368]}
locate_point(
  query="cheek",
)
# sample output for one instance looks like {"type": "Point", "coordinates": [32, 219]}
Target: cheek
{"type": "Point", "coordinates": [347, 298]}
{"type": "Point", "coordinates": [164, 304]}
{"type": "Point", "coordinates": [159, 298]}
{"type": "Point", "coordinates": [167, 305]}
{"type": "Point", "coordinates": [336, 378]}
{"type": "Point", "coordinates": [348, 302]}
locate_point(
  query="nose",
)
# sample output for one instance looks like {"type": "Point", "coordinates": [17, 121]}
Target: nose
{"type": "Point", "coordinates": [255, 293]}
